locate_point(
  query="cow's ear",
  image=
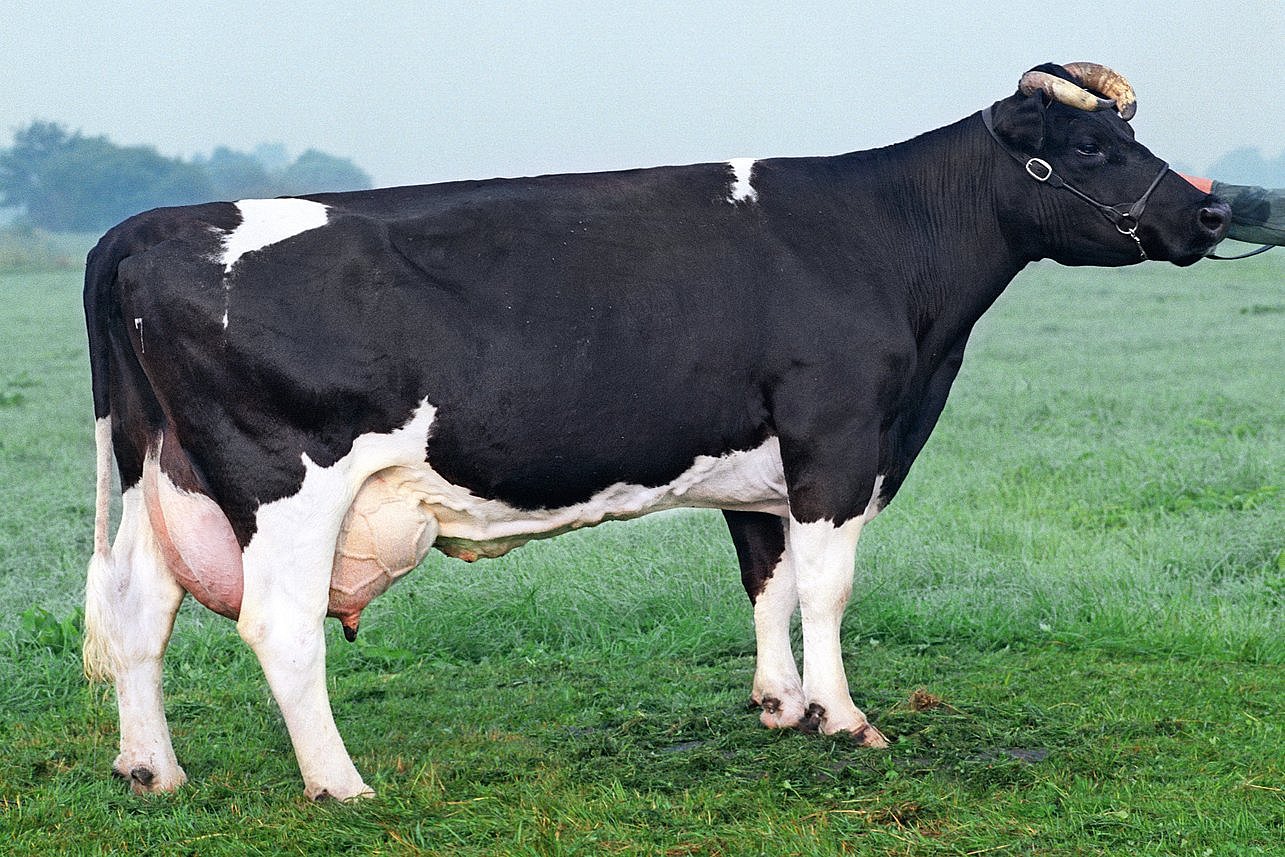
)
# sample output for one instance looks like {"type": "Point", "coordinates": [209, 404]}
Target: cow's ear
{"type": "Point", "coordinates": [1019, 121]}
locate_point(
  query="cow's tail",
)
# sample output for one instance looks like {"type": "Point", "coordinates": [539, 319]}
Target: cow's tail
{"type": "Point", "coordinates": [100, 275]}
{"type": "Point", "coordinates": [98, 660]}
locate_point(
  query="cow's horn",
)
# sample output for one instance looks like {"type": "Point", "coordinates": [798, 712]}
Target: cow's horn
{"type": "Point", "coordinates": [1061, 91]}
{"type": "Point", "coordinates": [1112, 84]}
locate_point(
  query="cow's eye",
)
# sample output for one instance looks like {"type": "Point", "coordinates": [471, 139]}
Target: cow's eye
{"type": "Point", "coordinates": [1089, 149]}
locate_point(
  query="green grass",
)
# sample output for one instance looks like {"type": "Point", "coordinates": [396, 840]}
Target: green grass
{"type": "Point", "coordinates": [27, 249]}
{"type": "Point", "coordinates": [1085, 567]}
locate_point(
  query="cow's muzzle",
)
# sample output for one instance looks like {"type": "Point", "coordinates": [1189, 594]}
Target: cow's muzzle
{"type": "Point", "coordinates": [1214, 220]}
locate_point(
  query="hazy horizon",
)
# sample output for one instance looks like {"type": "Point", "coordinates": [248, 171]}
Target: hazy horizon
{"type": "Point", "coordinates": [415, 92]}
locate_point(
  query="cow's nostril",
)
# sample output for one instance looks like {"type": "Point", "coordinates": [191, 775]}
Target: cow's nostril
{"type": "Point", "coordinates": [1215, 218]}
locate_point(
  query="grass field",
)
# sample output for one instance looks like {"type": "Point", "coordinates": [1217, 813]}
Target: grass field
{"type": "Point", "coordinates": [30, 249]}
{"type": "Point", "coordinates": [1083, 578]}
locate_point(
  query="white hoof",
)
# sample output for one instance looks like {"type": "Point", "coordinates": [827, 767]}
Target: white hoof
{"type": "Point", "coordinates": [781, 709]}
{"type": "Point", "coordinates": [147, 777]}
{"type": "Point", "coordinates": [855, 725]}
{"type": "Point", "coordinates": [341, 794]}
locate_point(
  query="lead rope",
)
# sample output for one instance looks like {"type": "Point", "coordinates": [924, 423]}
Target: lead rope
{"type": "Point", "coordinates": [1263, 249]}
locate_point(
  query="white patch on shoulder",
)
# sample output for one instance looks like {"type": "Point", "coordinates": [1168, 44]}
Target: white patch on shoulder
{"type": "Point", "coordinates": [742, 190]}
{"type": "Point", "coordinates": [267, 221]}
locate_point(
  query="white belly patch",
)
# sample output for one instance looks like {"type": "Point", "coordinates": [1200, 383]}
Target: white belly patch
{"type": "Point", "coordinates": [400, 506]}
{"type": "Point", "coordinates": [470, 527]}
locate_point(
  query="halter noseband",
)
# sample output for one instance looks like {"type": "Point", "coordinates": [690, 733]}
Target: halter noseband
{"type": "Point", "coordinates": [1124, 216]}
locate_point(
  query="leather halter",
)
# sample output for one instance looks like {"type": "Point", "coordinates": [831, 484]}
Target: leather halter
{"type": "Point", "coordinates": [1124, 216]}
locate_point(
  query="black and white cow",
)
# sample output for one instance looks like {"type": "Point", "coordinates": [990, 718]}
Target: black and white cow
{"type": "Point", "coordinates": [304, 395]}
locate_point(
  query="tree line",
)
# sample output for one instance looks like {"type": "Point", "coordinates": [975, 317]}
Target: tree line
{"type": "Point", "coordinates": [65, 181]}
{"type": "Point", "coordinates": [1247, 165]}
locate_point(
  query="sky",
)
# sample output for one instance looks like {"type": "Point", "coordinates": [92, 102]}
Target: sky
{"type": "Point", "coordinates": [417, 92]}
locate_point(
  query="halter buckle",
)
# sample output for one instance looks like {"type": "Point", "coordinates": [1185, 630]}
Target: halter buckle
{"type": "Point", "coordinates": [1126, 223]}
{"type": "Point", "coordinates": [1034, 167]}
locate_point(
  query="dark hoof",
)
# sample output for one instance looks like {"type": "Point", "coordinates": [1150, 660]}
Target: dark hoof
{"type": "Point", "coordinates": [812, 717]}
{"type": "Point", "coordinates": [770, 704]}
{"type": "Point", "coordinates": [868, 736]}
{"type": "Point", "coordinates": [142, 776]}
{"type": "Point", "coordinates": [350, 633]}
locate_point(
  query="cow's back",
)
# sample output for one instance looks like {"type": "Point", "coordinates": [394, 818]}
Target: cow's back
{"type": "Point", "coordinates": [571, 332]}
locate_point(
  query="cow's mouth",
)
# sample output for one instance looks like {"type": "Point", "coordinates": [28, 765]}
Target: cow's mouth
{"type": "Point", "coordinates": [1212, 222]}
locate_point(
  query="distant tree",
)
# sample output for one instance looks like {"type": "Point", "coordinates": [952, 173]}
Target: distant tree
{"type": "Point", "coordinates": [21, 166]}
{"type": "Point", "coordinates": [267, 171]}
{"type": "Point", "coordinates": [1247, 165]}
{"type": "Point", "coordinates": [96, 184]}
{"type": "Point", "coordinates": [64, 181]}
{"type": "Point", "coordinates": [237, 175]}
{"type": "Point", "coordinates": [273, 156]}
{"type": "Point", "coordinates": [317, 172]}
{"type": "Point", "coordinates": [68, 182]}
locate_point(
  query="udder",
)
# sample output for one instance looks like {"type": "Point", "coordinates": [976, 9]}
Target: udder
{"type": "Point", "coordinates": [387, 531]}
{"type": "Point", "coordinates": [196, 540]}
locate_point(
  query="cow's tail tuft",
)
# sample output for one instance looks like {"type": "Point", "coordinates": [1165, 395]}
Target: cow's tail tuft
{"type": "Point", "coordinates": [97, 651]}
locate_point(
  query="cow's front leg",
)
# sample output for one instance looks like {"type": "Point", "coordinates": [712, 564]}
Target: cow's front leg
{"type": "Point", "coordinates": [768, 578]}
{"type": "Point", "coordinates": [829, 453]}
{"type": "Point", "coordinates": [287, 577]}
{"type": "Point", "coordinates": [823, 554]}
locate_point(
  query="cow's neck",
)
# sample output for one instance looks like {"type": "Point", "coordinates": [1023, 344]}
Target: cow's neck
{"type": "Point", "coordinates": [937, 196]}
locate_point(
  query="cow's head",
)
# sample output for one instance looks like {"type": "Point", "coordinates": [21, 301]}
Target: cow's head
{"type": "Point", "coordinates": [1076, 187]}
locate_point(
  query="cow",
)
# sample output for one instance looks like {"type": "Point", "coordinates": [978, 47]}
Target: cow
{"type": "Point", "coordinates": [304, 395]}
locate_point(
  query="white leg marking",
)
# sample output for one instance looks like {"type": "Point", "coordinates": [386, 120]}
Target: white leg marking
{"type": "Point", "coordinates": [742, 190]}
{"type": "Point", "coordinates": [777, 687]}
{"type": "Point", "coordinates": [876, 504]}
{"type": "Point", "coordinates": [284, 627]}
{"type": "Point", "coordinates": [98, 650]}
{"type": "Point", "coordinates": [288, 567]}
{"type": "Point", "coordinates": [133, 601]}
{"type": "Point", "coordinates": [286, 580]}
{"type": "Point", "coordinates": [823, 556]}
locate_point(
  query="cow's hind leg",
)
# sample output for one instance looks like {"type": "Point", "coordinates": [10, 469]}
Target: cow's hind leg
{"type": "Point", "coordinates": [287, 568]}
{"type": "Point", "coordinates": [768, 577]}
{"type": "Point", "coordinates": [130, 604]}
